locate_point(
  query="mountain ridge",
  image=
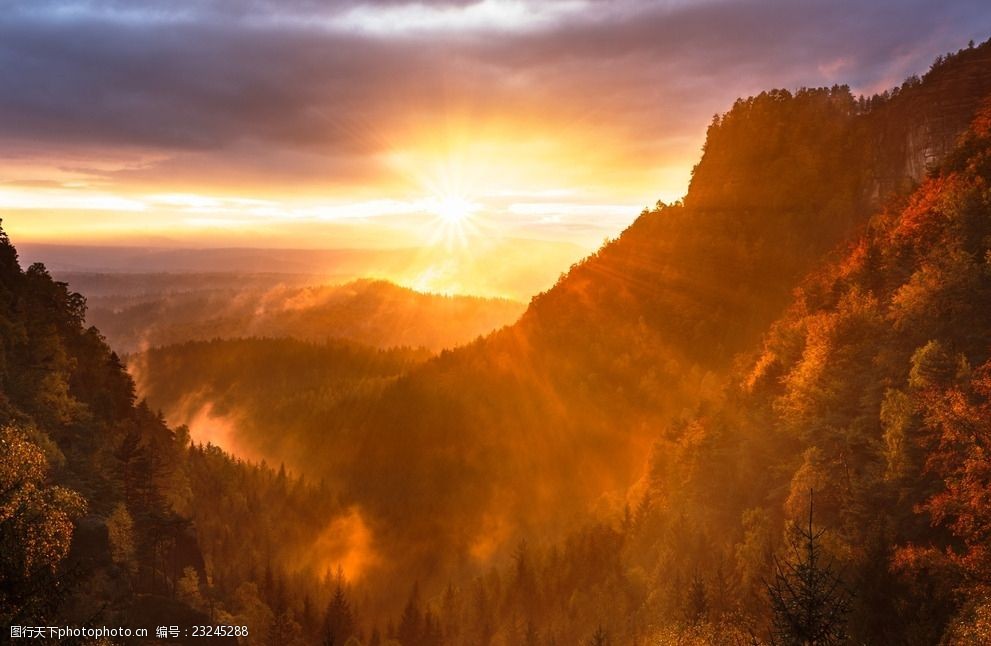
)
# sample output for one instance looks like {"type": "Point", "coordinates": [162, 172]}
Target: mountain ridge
{"type": "Point", "coordinates": [371, 311]}
{"type": "Point", "coordinates": [639, 336]}
{"type": "Point", "coordinates": [656, 418]}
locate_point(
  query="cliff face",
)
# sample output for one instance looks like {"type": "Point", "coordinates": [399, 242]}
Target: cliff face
{"type": "Point", "coordinates": [914, 127]}
{"type": "Point", "coordinates": [826, 152]}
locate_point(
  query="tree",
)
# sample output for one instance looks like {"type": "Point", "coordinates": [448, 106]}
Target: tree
{"type": "Point", "coordinates": [36, 525]}
{"type": "Point", "coordinates": [809, 601]}
{"type": "Point", "coordinates": [432, 634]}
{"type": "Point", "coordinates": [283, 629]}
{"type": "Point", "coordinates": [410, 629]}
{"type": "Point", "coordinates": [531, 637]}
{"type": "Point", "coordinates": [958, 421]}
{"type": "Point", "coordinates": [120, 533]}
{"type": "Point", "coordinates": [754, 557]}
{"type": "Point", "coordinates": [188, 589]}
{"type": "Point", "coordinates": [932, 365]}
{"type": "Point", "coordinates": [338, 623]}
{"type": "Point", "coordinates": [898, 422]}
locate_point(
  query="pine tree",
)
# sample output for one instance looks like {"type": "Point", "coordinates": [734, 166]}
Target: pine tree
{"type": "Point", "coordinates": [809, 601]}
{"type": "Point", "coordinates": [410, 630]}
{"type": "Point", "coordinates": [450, 607]}
{"type": "Point", "coordinates": [307, 617]}
{"type": "Point", "coordinates": [722, 591]}
{"type": "Point", "coordinates": [338, 623]}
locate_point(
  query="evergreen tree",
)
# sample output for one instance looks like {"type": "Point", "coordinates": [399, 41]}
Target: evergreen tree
{"type": "Point", "coordinates": [410, 630]}
{"type": "Point", "coordinates": [432, 633]}
{"type": "Point", "coordinates": [338, 623]}
{"type": "Point", "coordinates": [809, 601]}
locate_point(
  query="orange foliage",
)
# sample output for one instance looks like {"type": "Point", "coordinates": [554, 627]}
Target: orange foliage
{"type": "Point", "coordinates": [960, 419]}
{"type": "Point", "coordinates": [926, 208]}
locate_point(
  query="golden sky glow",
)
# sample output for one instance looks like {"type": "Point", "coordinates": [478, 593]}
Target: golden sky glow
{"type": "Point", "coordinates": [372, 124]}
{"type": "Point", "coordinates": [526, 179]}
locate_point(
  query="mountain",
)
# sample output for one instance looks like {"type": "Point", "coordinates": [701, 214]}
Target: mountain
{"type": "Point", "coordinates": [135, 311]}
{"type": "Point", "coordinates": [108, 517]}
{"type": "Point", "coordinates": [806, 336]}
{"type": "Point", "coordinates": [577, 409]}
{"type": "Point", "coordinates": [871, 389]}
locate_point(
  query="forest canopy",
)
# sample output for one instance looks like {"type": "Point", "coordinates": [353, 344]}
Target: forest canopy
{"type": "Point", "coordinates": [634, 461]}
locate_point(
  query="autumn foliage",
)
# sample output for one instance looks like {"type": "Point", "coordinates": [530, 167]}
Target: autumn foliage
{"type": "Point", "coordinates": [621, 466]}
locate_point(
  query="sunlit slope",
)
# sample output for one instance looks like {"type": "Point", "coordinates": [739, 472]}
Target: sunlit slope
{"type": "Point", "coordinates": [873, 389]}
{"type": "Point", "coordinates": [531, 427]}
{"type": "Point", "coordinates": [546, 418]}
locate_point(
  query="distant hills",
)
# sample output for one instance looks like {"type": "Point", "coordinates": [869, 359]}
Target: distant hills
{"type": "Point", "coordinates": [621, 465]}
{"type": "Point", "coordinates": [514, 268]}
{"type": "Point", "coordinates": [137, 311]}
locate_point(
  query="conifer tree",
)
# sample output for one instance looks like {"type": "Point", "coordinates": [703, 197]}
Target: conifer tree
{"type": "Point", "coordinates": [809, 601]}
{"type": "Point", "coordinates": [338, 624]}
{"type": "Point", "coordinates": [410, 628]}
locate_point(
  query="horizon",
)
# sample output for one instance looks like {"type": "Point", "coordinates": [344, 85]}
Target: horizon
{"type": "Point", "coordinates": [451, 323]}
{"type": "Point", "coordinates": [504, 136]}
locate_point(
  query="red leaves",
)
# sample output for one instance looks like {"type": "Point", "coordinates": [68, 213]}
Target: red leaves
{"type": "Point", "coordinates": [959, 419]}
{"type": "Point", "coordinates": [928, 205]}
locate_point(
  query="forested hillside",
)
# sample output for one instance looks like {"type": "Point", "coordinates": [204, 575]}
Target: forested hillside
{"type": "Point", "coordinates": [871, 391]}
{"type": "Point", "coordinates": [234, 392]}
{"type": "Point", "coordinates": [108, 517]}
{"type": "Point", "coordinates": [622, 466]}
{"type": "Point", "coordinates": [483, 444]}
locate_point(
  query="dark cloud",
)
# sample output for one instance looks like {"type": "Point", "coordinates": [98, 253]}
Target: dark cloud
{"type": "Point", "coordinates": [219, 77]}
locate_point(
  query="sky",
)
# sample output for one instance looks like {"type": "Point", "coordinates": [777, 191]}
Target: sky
{"type": "Point", "coordinates": [385, 123]}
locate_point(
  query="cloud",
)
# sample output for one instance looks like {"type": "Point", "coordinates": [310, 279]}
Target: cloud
{"type": "Point", "coordinates": [306, 93]}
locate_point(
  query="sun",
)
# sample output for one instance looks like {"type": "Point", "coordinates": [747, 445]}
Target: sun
{"type": "Point", "coordinates": [453, 209]}
{"type": "Point", "coordinates": [454, 221]}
